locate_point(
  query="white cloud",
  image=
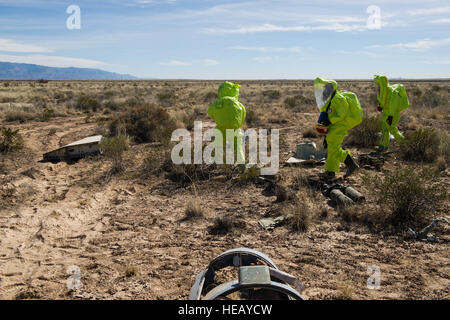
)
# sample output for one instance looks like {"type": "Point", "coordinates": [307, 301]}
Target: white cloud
{"type": "Point", "coordinates": [429, 11]}
{"type": "Point", "coordinates": [53, 61]}
{"type": "Point", "coordinates": [176, 63]}
{"type": "Point", "coordinates": [210, 62]}
{"type": "Point", "coordinates": [445, 61]}
{"type": "Point", "coordinates": [267, 49]}
{"type": "Point", "coordinates": [13, 46]}
{"type": "Point", "coordinates": [262, 59]}
{"type": "Point", "coordinates": [444, 20]}
{"type": "Point", "coordinates": [337, 27]}
{"type": "Point", "coordinates": [418, 45]}
{"type": "Point", "coordinates": [338, 19]}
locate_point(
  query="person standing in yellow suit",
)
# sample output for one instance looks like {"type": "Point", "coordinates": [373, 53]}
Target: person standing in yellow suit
{"type": "Point", "coordinates": [229, 113]}
{"type": "Point", "coordinates": [339, 112]}
{"type": "Point", "coordinates": [393, 99]}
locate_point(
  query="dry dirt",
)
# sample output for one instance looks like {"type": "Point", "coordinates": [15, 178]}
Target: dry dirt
{"type": "Point", "coordinates": [66, 214]}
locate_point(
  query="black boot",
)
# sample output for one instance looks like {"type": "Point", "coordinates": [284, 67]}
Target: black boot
{"type": "Point", "coordinates": [328, 175]}
{"type": "Point", "coordinates": [351, 166]}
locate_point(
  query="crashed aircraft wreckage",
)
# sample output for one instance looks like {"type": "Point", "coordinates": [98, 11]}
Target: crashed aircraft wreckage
{"type": "Point", "coordinates": [76, 150]}
{"type": "Point", "coordinates": [259, 278]}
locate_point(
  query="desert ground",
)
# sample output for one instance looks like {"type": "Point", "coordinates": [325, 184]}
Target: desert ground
{"type": "Point", "coordinates": [145, 231]}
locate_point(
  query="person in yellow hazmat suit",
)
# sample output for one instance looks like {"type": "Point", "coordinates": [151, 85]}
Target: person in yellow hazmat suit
{"type": "Point", "coordinates": [339, 112]}
{"type": "Point", "coordinates": [393, 99]}
{"type": "Point", "coordinates": [229, 113]}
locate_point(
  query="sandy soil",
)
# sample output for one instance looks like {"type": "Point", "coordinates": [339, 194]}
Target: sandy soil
{"type": "Point", "coordinates": [66, 214]}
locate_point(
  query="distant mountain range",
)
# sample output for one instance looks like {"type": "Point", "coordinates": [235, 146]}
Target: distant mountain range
{"type": "Point", "coordinates": [10, 70]}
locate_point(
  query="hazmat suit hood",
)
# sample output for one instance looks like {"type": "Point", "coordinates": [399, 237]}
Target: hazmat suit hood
{"type": "Point", "coordinates": [382, 90]}
{"type": "Point", "coordinates": [228, 89]}
{"type": "Point", "coordinates": [323, 91]}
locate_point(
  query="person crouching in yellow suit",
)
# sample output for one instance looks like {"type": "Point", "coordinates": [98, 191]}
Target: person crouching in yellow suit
{"type": "Point", "coordinates": [339, 112]}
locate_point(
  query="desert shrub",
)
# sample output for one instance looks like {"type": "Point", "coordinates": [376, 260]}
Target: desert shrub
{"type": "Point", "coordinates": [134, 101]}
{"type": "Point", "coordinates": [86, 103]}
{"type": "Point", "coordinates": [416, 92]}
{"type": "Point", "coordinates": [210, 96]}
{"type": "Point", "coordinates": [421, 145]}
{"type": "Point", "coordinates": [407, 197]}
{"type": "Point", "coordinates": [249, 174]}
{"type": "Point", "coordinates": [131, 271]}
{"type": "Point", "coordinates": [188, 120]}
{"type": "Point", "coordinates": [113, 149]}
{"type": "Point", "coordinates": [8, 196]}
{"type": "Point", "coordinates": [441, 163]}
{"type": "Point", "coordinates": [6, 84]}
{"type": "Point", "coordinates": [10, 140]}
{"type": "Point", "coordinates": [444, 145]}
{"type": "Point", "coordinates": [185, 174]}
{"type": "Point", "coordinates": [431, 99]}
{"type": "Point", "coordinates": [194, 210]}
{"type": "Point", "coordinates": [309, 133]}
{"type": "Point", "coordinates": [344, 291]}
{"type": "Point", "coordinates": [155, 162]}
{"type": "Point", "coordinates": [436, 88]}
{"type": "Point", "coordinates": [7, 99]}
{"type": "Point", "coordinates": [166, 97]}
{"type": "Point", "coordinates": [304, 100]}
{"type": "Point", "coordinates": [47, 114]}
{"type": "Point", "coordinates": [298, 212]}
{"type": "Point", "coordinates": [226, 224]}
{"type": "Point", "coordinates": [272, 94]}
{"type": "Point", "coordinates": [18, 115]}
{"type": "Point", "coordinates": [290, 102]}
{"type": "Point", "coordinates": [109, 94]}
{"type": "Point", "coordinates": [251, 117]}
{"type": "Point", "coordinates": [111, 105]}
{"type": "Point", "coordinates": [299, 102]}
{"type": "Point", "coordinates": [145, 123]}
{"type": "Point", "coordinates": [366, 134]}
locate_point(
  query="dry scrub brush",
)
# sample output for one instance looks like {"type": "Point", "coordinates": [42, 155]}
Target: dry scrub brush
{"type": "Point", "coordinates": [407, 197]}
{"type": "Point", "coordinates": [298, 212]}
{"type": "Point", "coordinates": [423, 145]}
{"type": "Point", "coordinates": [10, 140]}
{"type": "Point", "coordinates": [113, 149]}
{"type": "Point", "coordinates": [145, 123]}
{"type": "Point", "coordinates": [366, 134]}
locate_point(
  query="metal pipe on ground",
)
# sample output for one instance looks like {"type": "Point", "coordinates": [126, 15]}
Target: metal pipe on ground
{"type": "Point", "coordinates": [354, 195]}
{"type": "Point", "coordinates": [341, 199]}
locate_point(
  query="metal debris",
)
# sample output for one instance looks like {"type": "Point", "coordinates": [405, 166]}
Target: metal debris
{"type": "Point", "coordinates": [307, 153]}
{"type": "Point", "coordinates": [339, 193]}
{"type": "Point", "coordinates": [424, 233]}
{"type": "Point", "coordinates": [271, 223]}
{"type": "Point", "coordinates": [258, 278]}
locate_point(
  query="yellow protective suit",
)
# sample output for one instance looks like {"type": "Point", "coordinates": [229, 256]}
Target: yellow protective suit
{"type": "Point", "coordinates": [229, 113]}
{"type": "Point", "coordinates": [344, 112]}
{"type": "Point", "coordinates": [393, 99]}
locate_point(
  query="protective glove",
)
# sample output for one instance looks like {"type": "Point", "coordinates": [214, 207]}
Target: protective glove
{"type": "Point", "coordinates": [389, 120]}
{"type": "Point", "coordinates": [380, 109]}
{"type": "Point", "coordinates": [323, 119]}
{"type": "Point", "coordinates": [321, 129]}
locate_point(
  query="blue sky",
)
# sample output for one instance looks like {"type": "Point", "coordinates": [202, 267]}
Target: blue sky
{"type": "Point", "coordinates": [232, 39]}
